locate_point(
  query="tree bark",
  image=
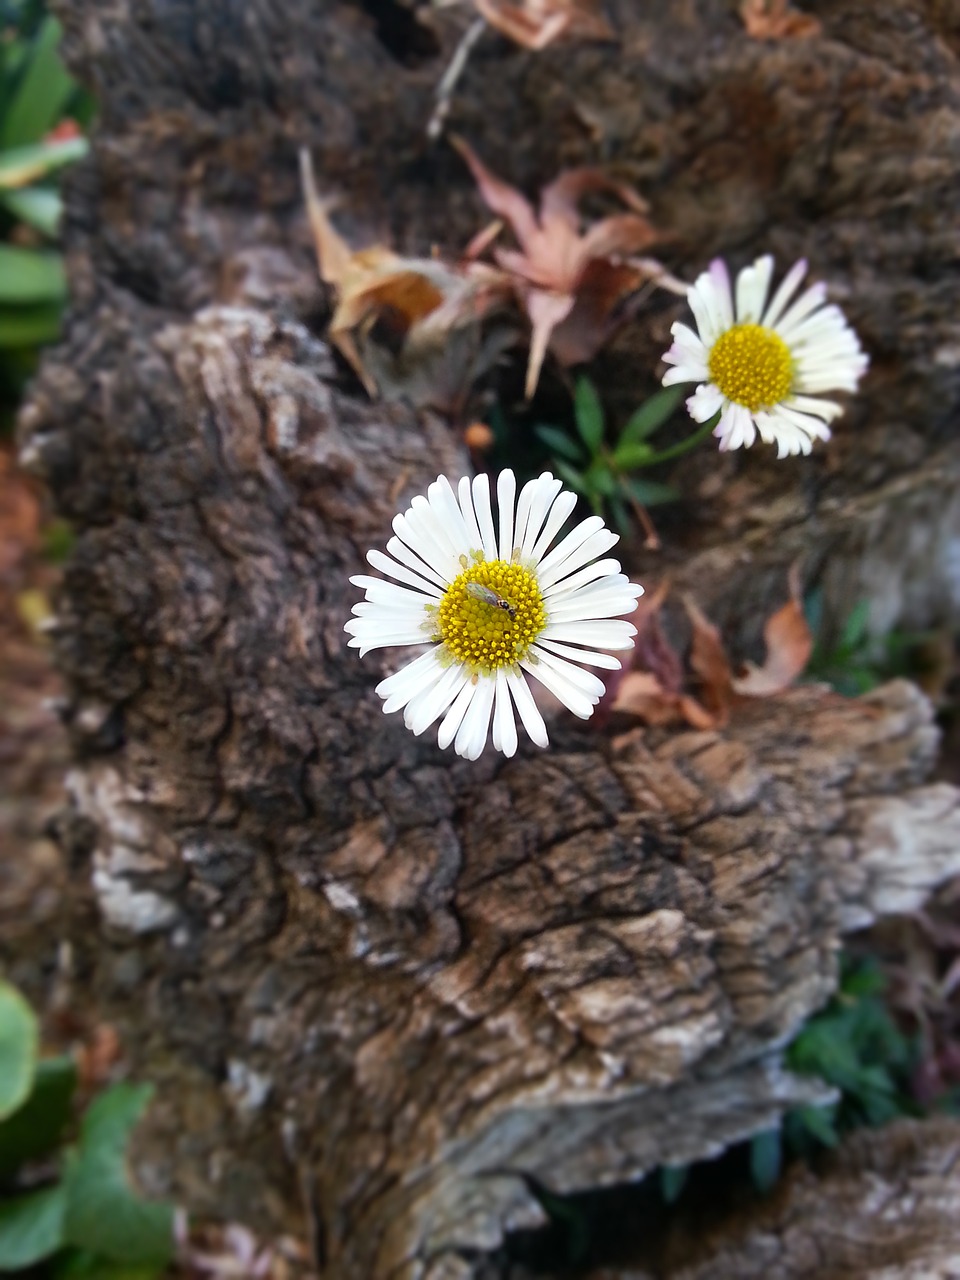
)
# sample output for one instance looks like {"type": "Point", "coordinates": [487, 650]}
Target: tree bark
{"type": "Point", "coordinates": [379, 986]}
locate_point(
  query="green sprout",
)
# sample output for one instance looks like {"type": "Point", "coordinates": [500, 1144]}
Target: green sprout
{"type": "Point", "coordinates": [605, 474]}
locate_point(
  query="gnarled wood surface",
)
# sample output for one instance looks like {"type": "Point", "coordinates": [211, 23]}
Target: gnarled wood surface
{"type": "Point", "coordinates": [373, 981]}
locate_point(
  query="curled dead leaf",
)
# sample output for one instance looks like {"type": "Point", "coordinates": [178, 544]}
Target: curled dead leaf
{"type": "Point", "coordinates": [789, 645]}
{"type": "Point", "coordinates": [571, 276]}
{"type": "Point", "coordinates": [776, 20]}
{"type": "Point", "coordinates": [407, 326]}
{"type": "Point", "coordinates": [708, 661]}
{"type": "Point", "coordinates": [536, 23]}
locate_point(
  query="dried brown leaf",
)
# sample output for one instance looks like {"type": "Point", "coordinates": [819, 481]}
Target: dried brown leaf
{"type": "Point", "coordinates": [396, 315]}
{"type": "Point", "coordinates": [571, 278]}
{"type": "Point", "coordinates": [536, 23]}
{"type": "Point", "coordinates": [789, 645]}
{"type": "Point", "coordinates": [708, 661]}
{"type": "Point", "coordinates": [776, 20]}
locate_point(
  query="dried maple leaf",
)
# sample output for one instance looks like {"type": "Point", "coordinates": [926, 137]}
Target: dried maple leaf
{"type": "Point", "coordinates": [775, 20]}
{"type": "Point", "coordinates": [570, 278]}
{"type": "Point", "coordinates": [708, 661]}
{"type": "Point", "coordinates": [655, 689]}
{"type": "Point", "coordinates": [789, 645]}
{"type": "Point", "coordinates": [407, 326]}
{"type": "Point", "coordinates": [537, 23]}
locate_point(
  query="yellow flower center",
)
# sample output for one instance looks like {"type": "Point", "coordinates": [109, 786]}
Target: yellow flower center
{"type": "Point", "coordinates": [752, 366]}
{"type": "Point", "coordinates": [490, 615]}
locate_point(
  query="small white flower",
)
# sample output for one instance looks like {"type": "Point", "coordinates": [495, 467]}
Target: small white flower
{"type": "Point", "coordinates": [763, 367]}
{"type": "Point", "coordinates": [496, 605]}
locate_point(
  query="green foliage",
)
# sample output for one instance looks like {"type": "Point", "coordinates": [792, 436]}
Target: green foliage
{"type": "Point", "coordinates": [856, 662]}
{"type": "Point", "coordinates": [601, 473]}
{"type": "Point", "coordinates": [855, 1045]}
{"type": "Point", "coordinates": [18, 1049]}
{"type": "Point", "coordinates": [36, 93]}
{"type": "Point", "coordinates": [104, 1215]}
{"type": "Point", "coordinates": [88, 1221]}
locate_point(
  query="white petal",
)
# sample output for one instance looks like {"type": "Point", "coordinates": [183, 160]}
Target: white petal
{"type": "Point", "coordinates": [444, 503]}
{"type": "Point", "coordinates": [723, 298]}
{"type": "Point", "coordinates": [527, 709]}
{"type": "Point", "coordinates": [506, 501]}
{"type": "Point", "coordinates": [788, 287]}
{"type": "Point", "coordinates": [595, 544]}
{"type": "Point", "coordinates": [571, 697]}
{"type": "Point", "coordinates": [536, 499]}
{"type": "Point", "coordinates": [588, 684]}
{"type": "Point", "coordinates": [390, 593]}
{"type": "Point", "coordinates": [424, 518]}
{"type": "Point", "coordinates": [600, 633]}
{"type": "Point", "coordinates": [586, 656]}
{"type": "Point", "coordinates": [792, 319]}
{"type": "Point", "coordinates": [428, 705]}
{"type": "Point", "coordinates": [576, 536]}
{"type": "Point", "coordinates": [560, 513]}
{"type": "Point", "coordinates": [752, 285]}
{"type": "Point", "coordinates": [599, 569]}
{"type": "Point", "coordinates": [688, 372]}
{"type": "Point", "coordinates": [405, 573]}
{"type": "Point", "coordinates": [457, 710]}
{"type": "Point", "coordinates": [481, 503]}
{"type": "Point", "coordinates": [406, 682]}
{"type": "Point", "coordinates": [472, 734]}
{"type": "Point", "coordinates": [464, 490]}
{"type": "Point", "coordinates": [367, 636]}
{"type": "Point", "coordinates": [705, 402]}
{"type": "Point", "coordinates": [412, 534]}
{"type": "Point", "coordinates": [504, 724]}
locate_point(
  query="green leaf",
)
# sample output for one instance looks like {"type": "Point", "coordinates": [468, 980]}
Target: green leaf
{"type": "Point", "coordinates": [22, 165]}
{"type": "Point", "coordinates": [36, 1127]}
{"type": "Point", "coordinates": [39, 207]}
{"type": "Point", "coordinates": [651, 415]}
{"type": "Point", "coordinates": [629, 455]}
{"type": "Point", "coordinates": [855, 627]}
{"type": "Point", "coordinates": [30, 326]}
{"type": "Point", "coordinates": [766, 1153]}
{"type": "Point", "coordinates": [559, 442]}
{"type": "Point", "coordinates": [42, 94]}
{"type": "Point", "coordinates": [673, 1178]}
{"type": "Point", "coordinates": [19, 1040]}
{"type": "Point", "coordinates": [104, 1213]}
{"type": "Point", "coordinates": [820, 1122]}
{"type": "Point", "coordinates": [31, 275]}
{"type": "Point", "coordinates": [79, 1264]}
{"type": "Point", "coordinates": [31, 1228]}
{"type": "Point", "coordinates": [573, 478]}
{"type": "Point", "coordinates": [651, 493]}
{"type": "Point", "coordinates": [589, 414]}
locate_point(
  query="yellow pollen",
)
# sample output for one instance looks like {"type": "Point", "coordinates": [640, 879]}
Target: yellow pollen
{"type": "Point", "coordinates": [752, 366]}
{"type": "Point", "coordinates": [481, 633]}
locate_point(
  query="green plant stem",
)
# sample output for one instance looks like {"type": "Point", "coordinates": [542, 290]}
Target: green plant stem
{"type": "Point", "coordinates": [684, 446]}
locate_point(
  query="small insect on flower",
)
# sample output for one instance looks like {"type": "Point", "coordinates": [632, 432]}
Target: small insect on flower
{"type": "Point", "coordinates": [489, 596]}
{"type": "Point", "coordinates": [500, 602]}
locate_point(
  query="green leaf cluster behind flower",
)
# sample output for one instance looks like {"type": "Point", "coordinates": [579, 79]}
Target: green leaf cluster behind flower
{"type": "Point", "coordinates": [604, 474]}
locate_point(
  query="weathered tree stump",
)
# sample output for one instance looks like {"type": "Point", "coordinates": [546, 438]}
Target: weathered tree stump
{"type": "Point", "coordinates": [378, 985]}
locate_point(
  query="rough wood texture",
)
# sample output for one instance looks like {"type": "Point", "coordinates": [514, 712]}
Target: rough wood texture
{"type": "Point", "coordinates": [372, 981]}
{"type": "Point", "coordinates": [887, 1206]}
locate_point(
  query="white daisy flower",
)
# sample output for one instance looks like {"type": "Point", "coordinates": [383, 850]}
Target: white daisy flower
{"type": "Point", "coordinates": [496, 604]}
{"type": "Point", "coordinates": [763, 366]}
